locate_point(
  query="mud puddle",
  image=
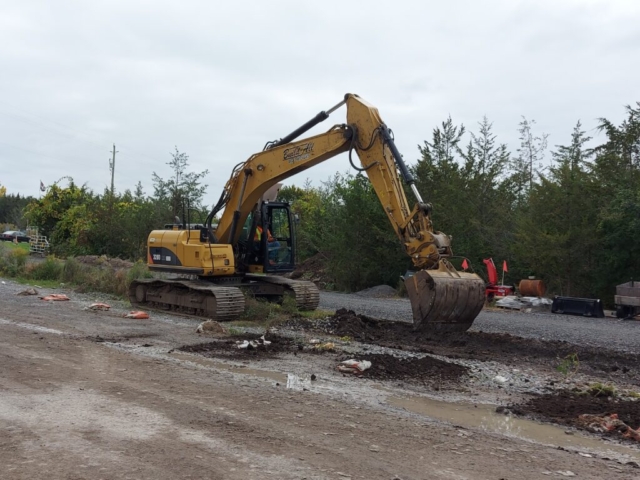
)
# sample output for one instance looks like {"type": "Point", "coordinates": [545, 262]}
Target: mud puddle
{"type": "Point", "coordinates": [586, 411]}
{"type": "Point", "coordinates": [484, 417]}
{"type": "Point", "coordinates": [206, 362]}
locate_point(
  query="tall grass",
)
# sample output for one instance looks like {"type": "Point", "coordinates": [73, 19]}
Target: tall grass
{"type": "Point", "coordinates": [85, 278]}
{"type": "Point", "coordinates": [12, 260]}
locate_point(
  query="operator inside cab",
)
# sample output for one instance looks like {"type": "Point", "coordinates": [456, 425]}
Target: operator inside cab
{"type": "Point", "coordinates": [273, 245]}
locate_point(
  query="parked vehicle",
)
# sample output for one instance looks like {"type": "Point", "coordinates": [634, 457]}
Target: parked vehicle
{"type": "Point", "coordinates": [11, 235]}
{"type": "Point", "coordinates": [628, 300]}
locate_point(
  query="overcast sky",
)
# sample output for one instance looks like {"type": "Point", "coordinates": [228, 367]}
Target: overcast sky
{"type": "Point", "coordinates": [218, 79]}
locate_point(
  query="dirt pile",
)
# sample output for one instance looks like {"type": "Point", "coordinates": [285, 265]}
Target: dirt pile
{"type": "Point", "coordinates": [104, 261]}
{"type": "Point", "coordinates": [505, 348]}
{"type": "Point", "coordinates": [379, 291]}
{"type": "Point", "coordinates": [425, 370]}
{"type": "Point", "coordinates": [565, 408]}
{"type": "Point", "coordinates": [314, 269]}
{"type": "Point", "coordinates": [365, 329]}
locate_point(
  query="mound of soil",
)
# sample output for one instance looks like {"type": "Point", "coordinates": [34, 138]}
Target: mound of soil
{"type": "Point", "coordinates": [379, 291]}
{"type": "Point", "coordinates": [426, 370]}
{"type": "Point", "coordinates": [104, 261]}
{"type": "Point", "coordinates": [314, 269]}
{"type": "Point", "coordinates": [566, 407]}
{"type": "Point", "coordinates": [505, 348]}
{"type": "Point", "coordinates": [369, 330]}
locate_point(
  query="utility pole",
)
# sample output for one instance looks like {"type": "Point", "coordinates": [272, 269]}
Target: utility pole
{"type": "Point", "coordinates": [112, 167]}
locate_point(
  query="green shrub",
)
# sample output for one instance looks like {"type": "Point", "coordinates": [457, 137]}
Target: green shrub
{"type": "Point", "coordinates": [102, 278]}
{"type": "Point", "coordinates": [12, 261]}
{"type": "Point", "coordinates": [569, 365]}
{"type": "Point", "coordinates": [139, 270]}
{"type": "Point", "coordinates": [49, 269]}
{"type": "Point", "coordinates": [74, 272]}
{"type": "Point", "coordinates": [601, 390]}
{"type": "Point", "coordinates": [289, 305]}
{"type": "Point", "coordinates": [258, 309]}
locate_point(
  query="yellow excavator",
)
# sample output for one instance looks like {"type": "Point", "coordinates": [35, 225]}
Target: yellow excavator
{"type": "Point", "coordinates": [254, 239]}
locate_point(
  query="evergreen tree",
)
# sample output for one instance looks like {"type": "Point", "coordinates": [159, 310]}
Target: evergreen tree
{"type": "Point", "coordinates": [555, 231]}
{"type": "Point", "coordinates": [530, 155]}
{"type": "Point", "coordinates": [182, 188]}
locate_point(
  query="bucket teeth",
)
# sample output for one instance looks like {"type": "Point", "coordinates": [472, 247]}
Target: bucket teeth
{"type": "Point", "coordinates": [445, 300]}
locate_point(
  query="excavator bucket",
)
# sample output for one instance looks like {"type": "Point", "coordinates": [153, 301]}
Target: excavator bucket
{"type": "Point", "coordinates": [445, 300]}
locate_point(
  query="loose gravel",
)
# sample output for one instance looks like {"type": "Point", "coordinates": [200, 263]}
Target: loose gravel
{"type": "Point", "coordinates": [596, 332]}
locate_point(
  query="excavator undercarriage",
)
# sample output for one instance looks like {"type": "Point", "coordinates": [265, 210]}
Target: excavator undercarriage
{"type": "Point", "coordinates": [222, 301]}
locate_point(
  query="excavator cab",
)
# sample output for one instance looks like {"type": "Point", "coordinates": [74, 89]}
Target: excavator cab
{"type": "Point", "coordinates": [269, 239]}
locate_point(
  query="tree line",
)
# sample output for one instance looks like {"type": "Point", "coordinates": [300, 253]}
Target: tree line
{"type": "Point", "coordinates": [573, 221]}
{"type": "Point", "coordinates": [568, 214]}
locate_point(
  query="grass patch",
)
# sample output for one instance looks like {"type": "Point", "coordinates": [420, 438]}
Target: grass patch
{"type": "Point", "coordinates": [315, 314]}
{"type": "Point", "coordinates": [569, 365]}
{"type": "Point", "coordinates": [243, 323]}
{"type": "Point", "coordinates": [82, 277]}
{"type": "Point", "coordinates": [234, 331]}
{"type": "Point", "coordinates": [16, 246]}
{"type": "Point", "coordinates": [260, 312]}
{"type": "Point", "coordinates": [38, 283]}
{"type": "Point", "coordinates": [601, 390]}
{"type": "Point", "coordinates": [50, 269]}
{"type": "Point", "coordinates": [102, 278]}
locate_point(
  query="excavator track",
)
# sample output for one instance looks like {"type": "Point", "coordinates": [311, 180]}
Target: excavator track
{"type": "Point", "coordinates": [188, 297]}
{"type": "Point", "coordinates": [306, 293]}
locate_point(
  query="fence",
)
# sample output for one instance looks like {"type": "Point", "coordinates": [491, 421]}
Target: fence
{"type": "Point", "coordinates": [39, 245]}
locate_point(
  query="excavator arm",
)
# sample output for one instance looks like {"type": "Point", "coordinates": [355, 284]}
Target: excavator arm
{"type": "Point", "coordinates": [366, 133]}
{"type": "Point", "coordinates": [441, 297]}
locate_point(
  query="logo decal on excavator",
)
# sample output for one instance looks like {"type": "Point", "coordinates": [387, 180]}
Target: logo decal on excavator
{"type": "Point", "coordinates": [298, 153]}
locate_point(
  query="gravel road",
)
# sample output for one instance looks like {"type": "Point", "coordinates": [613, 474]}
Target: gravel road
{"type": "Point", "coordinates": [91, 394]}
{"type": "Point", "coordinates": [600, 332]}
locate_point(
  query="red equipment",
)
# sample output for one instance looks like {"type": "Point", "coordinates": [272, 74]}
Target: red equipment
{"type": "Point", "coordinates": [492, 288]}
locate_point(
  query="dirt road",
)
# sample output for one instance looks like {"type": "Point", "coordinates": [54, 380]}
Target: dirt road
{"type": "Point", "coordinates": [92, 395]}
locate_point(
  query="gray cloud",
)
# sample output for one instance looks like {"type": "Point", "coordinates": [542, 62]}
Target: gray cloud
{"type": "Point", "coordinates": [219, 79]}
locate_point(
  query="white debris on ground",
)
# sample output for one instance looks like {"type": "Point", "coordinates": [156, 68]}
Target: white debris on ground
{"type": "Point", "coordinates": [527, 304]}
{"type": "Point", "coordinates": [354, 366]}
{"type": "Point", "coordinates": [251, 344]}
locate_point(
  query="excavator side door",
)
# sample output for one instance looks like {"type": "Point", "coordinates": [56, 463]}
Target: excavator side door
{"type": "Point", "coordinates": [271, 240]}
